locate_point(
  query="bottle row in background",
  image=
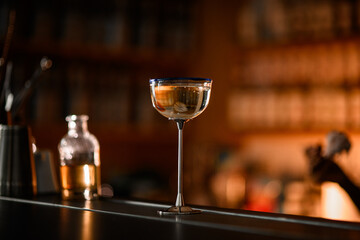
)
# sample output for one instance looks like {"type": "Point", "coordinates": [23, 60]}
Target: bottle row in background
{"type": "Point", "coordinates": [284, 21]}
{"type": "Point", "coordinates": [294, 109]}
{"type": "Point", "coordinates": [336, 63]}
{"type": "Point", "coordinates": [107, 94]}
{"type": "Point", "coordinates": [113, 23]}
{"type": "Point", "coordinates": [302, 69]}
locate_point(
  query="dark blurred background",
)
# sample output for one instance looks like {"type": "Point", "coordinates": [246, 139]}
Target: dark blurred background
{"type": "Point", "coordinates": [285, 73]}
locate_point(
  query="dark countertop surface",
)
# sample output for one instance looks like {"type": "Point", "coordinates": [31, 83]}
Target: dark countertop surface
{"type": "Point", "coordinates": [48, 217]}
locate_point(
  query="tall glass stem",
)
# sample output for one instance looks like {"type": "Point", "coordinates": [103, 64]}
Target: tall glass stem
{"type": "Point", "coordinates": [180, 199]}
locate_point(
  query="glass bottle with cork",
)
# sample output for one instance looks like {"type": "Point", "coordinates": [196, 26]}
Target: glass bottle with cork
{"type": "Point", "coordinates": [79, 161]}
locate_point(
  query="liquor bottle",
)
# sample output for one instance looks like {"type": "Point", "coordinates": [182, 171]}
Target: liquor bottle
{"type": "Point", "coordinates": [79, 161]}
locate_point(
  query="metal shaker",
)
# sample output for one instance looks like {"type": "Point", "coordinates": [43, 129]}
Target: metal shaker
{"type": "Point", "coordinates": [17, 168]}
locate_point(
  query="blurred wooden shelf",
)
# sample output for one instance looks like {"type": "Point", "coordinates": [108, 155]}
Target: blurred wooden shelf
{"type": "Point", "coordinates": [134, 56]}
{"type": "Point", "coordinates": [289, 44]}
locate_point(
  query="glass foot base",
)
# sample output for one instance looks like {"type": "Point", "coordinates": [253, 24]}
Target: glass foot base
{"type": "Point", "coordinates": [184, 210]}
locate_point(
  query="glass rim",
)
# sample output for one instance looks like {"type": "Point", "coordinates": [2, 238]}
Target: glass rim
{"type": "Point", "coordinates": [180, 78]}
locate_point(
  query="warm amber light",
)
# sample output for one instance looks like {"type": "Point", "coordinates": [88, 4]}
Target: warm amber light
{"type": "Point", "coordinates": [235, 189]}
{"type": "Point", "coordinates": [87, 179]}
{"type": "Point", "coordinates": [87, 223]}
{"type": "Point", "coordinates": [336, 204]}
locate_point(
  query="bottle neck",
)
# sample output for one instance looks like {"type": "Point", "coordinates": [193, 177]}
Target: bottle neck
{"type": "Point", "coordinates": [77, 127]}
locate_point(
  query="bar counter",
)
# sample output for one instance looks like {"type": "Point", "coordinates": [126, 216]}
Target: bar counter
{"type": "Point", "coordinates": [48, 217]}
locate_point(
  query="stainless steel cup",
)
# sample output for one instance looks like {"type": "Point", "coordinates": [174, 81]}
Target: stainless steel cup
{"type": "Point", "coordinates": [17, 168]}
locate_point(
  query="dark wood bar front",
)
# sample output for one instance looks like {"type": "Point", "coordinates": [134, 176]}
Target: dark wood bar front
{"type": "Point", "coordinates": [51, 218]}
